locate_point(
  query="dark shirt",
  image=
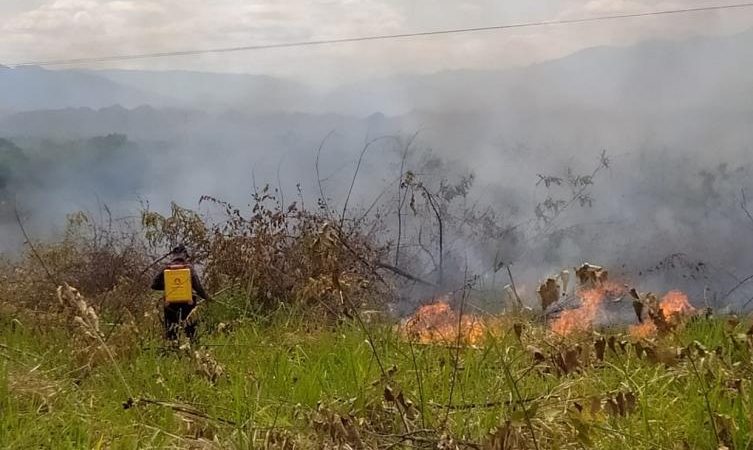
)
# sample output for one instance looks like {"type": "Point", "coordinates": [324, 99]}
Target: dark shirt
{"type": "Point", "coordinates": [158, 284]}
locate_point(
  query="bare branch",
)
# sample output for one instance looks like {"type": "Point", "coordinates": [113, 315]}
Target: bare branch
{"type": "Point", "coordinates": [402, 196]}
{"type": "Point", "coordinates": [403, 273]}
{"type": "Point", "coordinates": [423, 248]}
{"type": "Point", "coordinates": [440, 224]}
{"type": "Point", "coordinates": [355, 174]}
{"type": "Point", "coordinates": [279, 182]}
{"type": "Point", "coordinates": [318, 175]}
{"type": "Point", "coordinates": [744, 206]}
{"type": "Point", "coordinates": [514, 289]}
{"type": "Point", "coordinates": [34, 251]}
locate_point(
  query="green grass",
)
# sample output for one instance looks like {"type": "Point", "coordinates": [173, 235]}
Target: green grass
{"type": "Point", "coordinates": [285, 377]}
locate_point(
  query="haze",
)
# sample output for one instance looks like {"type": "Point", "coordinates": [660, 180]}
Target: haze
{"type": "Point", "coordinates": [668, 98]}
{"type": "Point", "coordinates": [32, 31]}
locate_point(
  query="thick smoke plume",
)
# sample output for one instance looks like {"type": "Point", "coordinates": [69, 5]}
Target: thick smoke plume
{"type": "Point", "coordinates": [637, 159]}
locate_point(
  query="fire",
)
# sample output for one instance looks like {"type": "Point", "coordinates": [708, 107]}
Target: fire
{"type": "Point", "coordinates": [582, 318]}
{"type": "Point", "coordinates": [673, 307]}
{"type": "Point", "coordinates": [438, 323]}
{"type": "Point", "coordinates": [675, 304]}
{"type": "Point", "coordinates": [643, 330]}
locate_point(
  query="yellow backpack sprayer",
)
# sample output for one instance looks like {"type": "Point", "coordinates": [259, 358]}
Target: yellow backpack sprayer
{"type": "Point", "coordinates": [178, 287]}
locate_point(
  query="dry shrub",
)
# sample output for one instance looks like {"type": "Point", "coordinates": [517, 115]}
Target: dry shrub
{"type": "Point", "coordinates": [89, 342]}
{"type": "Point", "coordinates": [24, 285]}
{"type": "Point", "coordinates": [97, 258]}
{"type": "Point", "coordinates": [102, 256]}
{"type": "Point", "coordinates": [276, 254]}
{"type": "Point", "coordinates": [181, 226]}
{"type": "Point", "coordinates": [84, 323]}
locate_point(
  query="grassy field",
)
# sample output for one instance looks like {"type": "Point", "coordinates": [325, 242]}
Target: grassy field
{"type": "Point", "coordinates": [286, 382]}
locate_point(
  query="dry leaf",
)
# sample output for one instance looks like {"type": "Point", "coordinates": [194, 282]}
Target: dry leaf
{"type": "Point", "coordinates": [549, 293]}
{"type": "Point", "coordinates": [600, 347]}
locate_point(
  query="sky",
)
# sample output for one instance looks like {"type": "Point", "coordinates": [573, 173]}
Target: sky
{"type": "Point", "coordinates": [35, 30]}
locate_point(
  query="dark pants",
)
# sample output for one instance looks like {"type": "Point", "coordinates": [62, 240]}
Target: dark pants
{"type": "Point", "coordinates": [175, 318]}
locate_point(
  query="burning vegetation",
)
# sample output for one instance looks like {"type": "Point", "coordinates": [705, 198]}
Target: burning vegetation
{"type": "Point", "coordinates": [663, 315]}
{"type": "Point", "coordinates": [583, 317]}
{"type": "Point", "coordinates": [439, 323]}
{"type": "Point", "coordinates": [316, 273]}
{"type": "Point", "coordinates": [595, 289]}
{"type": "Point", "coordinates": [388, 403]}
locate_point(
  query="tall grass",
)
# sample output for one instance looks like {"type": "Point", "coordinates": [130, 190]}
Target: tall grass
{"type": "Point", "coordinates": [290, 383]}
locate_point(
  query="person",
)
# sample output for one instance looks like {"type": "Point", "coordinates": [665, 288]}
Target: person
{"type": "Point", "coordinates": [178, 303]}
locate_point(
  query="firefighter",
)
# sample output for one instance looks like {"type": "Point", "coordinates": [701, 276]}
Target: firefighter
{"type": "Point", "coordinates": [181, 287]}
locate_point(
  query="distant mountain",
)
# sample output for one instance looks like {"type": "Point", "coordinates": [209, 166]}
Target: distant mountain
{"type": "Point", "coordinates": [173, 124]}
{"type": "Point", "coordinates": [657, 77]}
{"type": "Point", "coordinates": [30, 88]}
{"type": "Point", "coordinates": [216, 91]}
{"type": "Point", "coordinates": [654, 76]}
{"type": "Point", "coordinates": [142, 121]}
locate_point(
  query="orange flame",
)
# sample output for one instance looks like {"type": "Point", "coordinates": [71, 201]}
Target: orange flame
{"type": "Point", "coordinates": [438, 323]}
{"type": "Point", "coordinates": [643, 330]}
{"type": "Point", "coordinates": [673, 307]}
{"type": "Point", "coordinates": [582, 318]}
{"type": "Point", "coordinates": [675, 304]}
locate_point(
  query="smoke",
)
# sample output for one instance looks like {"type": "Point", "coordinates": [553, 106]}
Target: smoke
{"type": "Point", "coordinates": [665, 212]}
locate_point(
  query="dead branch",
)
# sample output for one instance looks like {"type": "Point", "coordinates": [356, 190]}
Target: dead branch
{"type": "Point", "coordinates": [318, 175]}
{"type": "Point", "coordinates": [355, 174]}
{"type": "Point", "coordinates": [744, 205]}
{"type": "Point", "coordinates": [440, 224]}
{"type": "Point", "coordinates": [514, 289]}
{"type": "Point", "coordinates": [402, 197]}
{"type": "Point", "coordinates": [423, 247]}
{"type": "Point", "coordinates": [279, 182]}
{"type": "Point", "coordinates": [402, 273]}
{"type": "Point", "coordinates": [357, 222]}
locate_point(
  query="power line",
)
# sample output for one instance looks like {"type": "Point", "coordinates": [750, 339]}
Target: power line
{"type": "Point", "coordinates": [381, 37]}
